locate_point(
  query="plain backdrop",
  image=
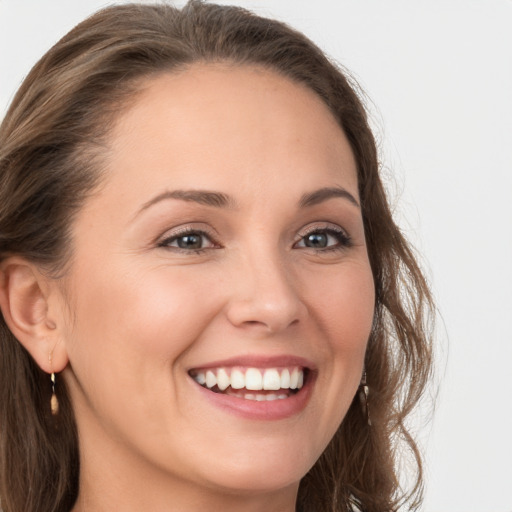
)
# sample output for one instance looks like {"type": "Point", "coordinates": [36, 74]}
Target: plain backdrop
{"type": "Point", "coordinates": [439, 77]}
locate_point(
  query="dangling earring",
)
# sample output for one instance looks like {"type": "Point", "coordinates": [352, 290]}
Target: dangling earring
{"type": "Point", "coordinates": [364, 392]}
{"type": "Point", "coordinates": [54, 402]}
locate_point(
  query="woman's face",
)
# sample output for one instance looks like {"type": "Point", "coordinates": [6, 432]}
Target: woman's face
{"type": "Point", "coordinates": [226, 245]}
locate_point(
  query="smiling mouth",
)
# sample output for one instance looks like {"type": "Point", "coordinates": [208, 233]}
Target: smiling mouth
{"type": "Point", "coordinates": [259, 384]}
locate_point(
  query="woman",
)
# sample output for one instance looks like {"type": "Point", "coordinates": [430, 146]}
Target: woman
{"type": "Point", "coordinates": [205, 300]}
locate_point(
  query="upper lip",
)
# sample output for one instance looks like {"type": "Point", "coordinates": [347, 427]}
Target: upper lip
{"type": "Point", "coordinates": [259, 361]}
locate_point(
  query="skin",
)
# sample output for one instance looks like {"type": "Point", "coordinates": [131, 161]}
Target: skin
{"type": "Point", "coordinates": [134, 315]}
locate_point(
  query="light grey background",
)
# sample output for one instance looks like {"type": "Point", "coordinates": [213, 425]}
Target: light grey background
{"type": "Point", "coordinates": [439, 73]}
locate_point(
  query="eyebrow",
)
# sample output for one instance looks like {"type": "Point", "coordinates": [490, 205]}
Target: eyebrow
{"type": "Point", "coordinates": [323, 194]}
{"type": "Point", "coordinates": [221, 200]}
{"type": "Point", "coordinates": [206, 197]}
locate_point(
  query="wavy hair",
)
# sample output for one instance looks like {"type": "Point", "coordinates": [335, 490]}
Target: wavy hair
{"type": "Point", "coordinates": [51, 142]}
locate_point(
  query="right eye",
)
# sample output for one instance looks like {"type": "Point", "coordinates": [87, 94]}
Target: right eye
{"type": "Point", "coordinates": [189, 240]}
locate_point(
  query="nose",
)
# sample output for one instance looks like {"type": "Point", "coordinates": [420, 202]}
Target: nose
{"type": "Point", "coordinates": [264, 296]}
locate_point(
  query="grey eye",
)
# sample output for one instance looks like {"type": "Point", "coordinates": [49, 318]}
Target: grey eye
{"type": "Point", "coordinates": [316, 240]}
{"type": "Point", "coordinates": [324, 239]}
{"type": "Point", "coordinates": [190, 241]}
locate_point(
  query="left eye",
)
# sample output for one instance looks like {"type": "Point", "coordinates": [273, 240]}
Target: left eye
{"type": "Point", "coordinates": [324, 239]}
{"type": "Point", "coordinates": [193, 241]}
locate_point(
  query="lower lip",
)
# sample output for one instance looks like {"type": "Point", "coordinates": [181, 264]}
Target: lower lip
{"type": "Point", "coordinates": [268, 410]}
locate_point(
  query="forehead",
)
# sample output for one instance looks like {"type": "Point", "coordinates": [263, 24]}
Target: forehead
{"type": "Point", "coordinates": [219, 125]}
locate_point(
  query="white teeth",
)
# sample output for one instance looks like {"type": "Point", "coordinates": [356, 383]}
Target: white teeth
{"type": "Point", "coordinates": [200, 378]}
{"type": "Point", "coordinates": [211, 380]}
{"type": "Point", "coordinates": [264, 398]}
{"type": "Point", "coordinates": [253, 379]}
{"type": "Point", "coordinates": [237, 379]}
{"type": "Point", "coordinates": [271, 379]}
{"type": "Point", "coordinates": [223, 380]}
{"type": "Point", "coordinates": [285, 379]}
{"type": "Point", "coordinates": [294, 379]}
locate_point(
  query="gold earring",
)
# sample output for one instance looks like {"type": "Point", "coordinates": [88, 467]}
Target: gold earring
{"type": "Point", "coordinates": [364, 392]}
{"type": "Point", "coordinates": [54, 402]}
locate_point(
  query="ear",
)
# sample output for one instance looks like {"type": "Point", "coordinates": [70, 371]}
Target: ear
{"type": "Point", "coordinates": [27, 301]}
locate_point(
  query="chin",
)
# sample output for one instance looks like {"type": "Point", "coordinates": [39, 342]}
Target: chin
{"type": "Point", "coordinates": [252, 482]}
{"type": "Point", "coordinates": [265, 472]}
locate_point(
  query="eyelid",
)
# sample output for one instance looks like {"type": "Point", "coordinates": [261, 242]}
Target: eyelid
{"type": "Point", "coordinates": [321, 226]}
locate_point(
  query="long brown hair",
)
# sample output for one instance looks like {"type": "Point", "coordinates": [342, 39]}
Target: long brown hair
{"type": "Point", "coordinates": [51, 142]}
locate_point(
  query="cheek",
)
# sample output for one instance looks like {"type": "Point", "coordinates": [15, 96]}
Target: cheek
{"type": "Point", "coordinates": [343, 302]}
{"type": "Point", "coordinates": [145, 310]}
{"type": "Point", "coordinates": [130, 332]}
{"type": "Point", "coordinates": [135, 323]}
{"type": "Point", "coordinates": [340, 303]}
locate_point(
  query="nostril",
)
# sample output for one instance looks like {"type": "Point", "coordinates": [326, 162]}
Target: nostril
{"type": "Point", "coordinates": [269, 326]}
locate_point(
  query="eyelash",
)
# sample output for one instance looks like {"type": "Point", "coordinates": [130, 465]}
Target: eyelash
{"type": "Point", "coordinates": [343, 239]}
